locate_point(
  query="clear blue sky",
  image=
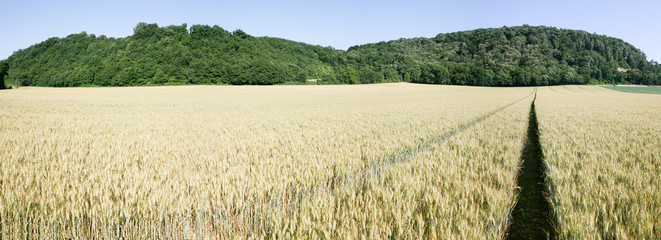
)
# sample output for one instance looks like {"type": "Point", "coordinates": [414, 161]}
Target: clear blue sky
{"type": "Point", "coordinates": [339, 24]}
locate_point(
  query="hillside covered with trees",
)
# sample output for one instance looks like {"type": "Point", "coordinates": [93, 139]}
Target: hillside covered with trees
{"type": "Point", "coordinates": [201, 54]}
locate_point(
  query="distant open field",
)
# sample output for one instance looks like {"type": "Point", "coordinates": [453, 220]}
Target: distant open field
{"type": "Point", "coordinates": [403, 161]}
{"type": "Point", "coordinates": [650, 90]}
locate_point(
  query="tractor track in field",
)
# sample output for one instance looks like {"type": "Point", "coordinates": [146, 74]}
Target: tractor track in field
{"type": "Point", "coordinates": [375, 169]}
{"type": "Point", "coordinates": [532, 217]}
{"type": "Point", "coordinates": [293, 196]}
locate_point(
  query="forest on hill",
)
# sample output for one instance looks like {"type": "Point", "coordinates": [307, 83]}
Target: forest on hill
{"type": "Point", "coordinates": [201, 54]}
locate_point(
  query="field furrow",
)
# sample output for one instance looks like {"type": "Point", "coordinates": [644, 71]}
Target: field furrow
{"type": "Point", "coordinates": [532, 216]}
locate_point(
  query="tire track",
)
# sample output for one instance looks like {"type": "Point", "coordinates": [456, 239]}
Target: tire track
{"type": "Point", "coordinates": [292, 197]}
{"type": "Point", "coordinates": [376, 168]}
{"type": "Point", "coordinates": [532, 216]}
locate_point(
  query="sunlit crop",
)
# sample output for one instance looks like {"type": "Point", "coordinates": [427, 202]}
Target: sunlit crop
{"type": "Point", "coordinates": [603, 150]}
{"type": "Point", "coordinates": [399, 161]}
{"type": "Point", "coordinates": [292, 161]}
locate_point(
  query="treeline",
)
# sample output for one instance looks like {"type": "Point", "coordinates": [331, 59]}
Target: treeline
{"type": "Point", "coordinates": [201, 54]}
{"type": "Point", "coordinates": [512, 56]}
{"type": "Point", "coordinates": [4, 68]}
{"type": "Point", "coordinates": [164, 55]}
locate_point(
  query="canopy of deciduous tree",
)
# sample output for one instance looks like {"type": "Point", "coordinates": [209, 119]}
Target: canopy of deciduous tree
{"type": "Point", "coordinates": [201, 54]}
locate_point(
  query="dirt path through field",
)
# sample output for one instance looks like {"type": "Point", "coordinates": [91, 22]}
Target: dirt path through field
{"type": "Point", "coordinates": [532, 216]}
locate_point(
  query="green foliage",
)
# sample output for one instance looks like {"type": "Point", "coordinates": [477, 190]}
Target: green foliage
{"type": "Point", "coordinates": [201, 54]}
{"type": "Point", "coordinates": [510, 56]}
{"type": "Point", "coordinates": [4, 67]}
{"type": "Point", "coordinates": [168, 55]}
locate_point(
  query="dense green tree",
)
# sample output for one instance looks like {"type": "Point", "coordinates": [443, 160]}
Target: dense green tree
{"type": "Point", "coordinates": [4, 67]}
{"type": "Point", "coordinates": [348, 75]}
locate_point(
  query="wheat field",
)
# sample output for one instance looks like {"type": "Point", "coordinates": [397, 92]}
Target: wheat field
{"type": "Point", "coordinates": [209, 161]}
{"type": "Point", "coordinates": [603, 151]}
{"type": "Point", "coordinates": [396, 161]}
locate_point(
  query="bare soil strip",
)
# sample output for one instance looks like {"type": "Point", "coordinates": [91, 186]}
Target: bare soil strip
{"type": "Point", "coordinates": [532, 217]}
